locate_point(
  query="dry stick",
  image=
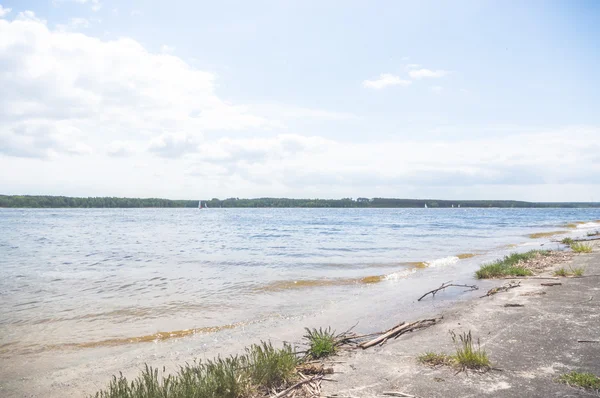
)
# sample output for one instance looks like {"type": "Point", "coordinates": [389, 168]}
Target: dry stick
{"type": "Point", "coordinates": [399, 394]}
{"type": "Point", "coordinates": [445, 285]}
{"type": "Point", "coordinates": [290, 389]}
{"type": "Point", "coordinates": [502, 288]}
{"type": "Point", "coordinates": [532, 277]}
{"type": "Point", "coordinates": [585, 301]}
{"type": "Point", "coordinates": [551, 284]}
{"type": "Point", "coordinates": [399, 330]}
{"type": "Point", "coordinates": [588, 341]}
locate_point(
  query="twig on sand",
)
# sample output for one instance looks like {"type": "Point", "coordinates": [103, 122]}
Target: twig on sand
{"type": "Point", "coordinates": [551, 284]}
{"type": "Point", "coordinates": [585, 301]}
{"type": "Point", "coordinates": [399, 394]}
{"type": "Point", "coordinates": [445, 285]}
{"type": "Point", "coordinates": [293, 387]}
{"type": "Point", "coordinates": [588, 341]}
{"type": "Point", "coordinates": [503, 288]}
{"type": "Point", "coordinates": [532, 277]}
{"type": "Point", "coordinates": [514, 305]}
{"type": "Point", "coordinates": [399, 330]}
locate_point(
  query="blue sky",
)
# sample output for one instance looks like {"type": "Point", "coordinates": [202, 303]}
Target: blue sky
{"type": "Point", "coordinates": [187, 99]}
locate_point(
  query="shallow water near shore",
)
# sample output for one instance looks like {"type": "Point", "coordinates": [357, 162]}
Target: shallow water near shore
{"type": "Point", "coordinates": [136, 285]}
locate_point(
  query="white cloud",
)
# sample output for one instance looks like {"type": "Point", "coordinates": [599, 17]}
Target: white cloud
{"type": "Point", "coordinates": [74, 24]}
{"type": "Point", "coordinates": [173, 145]}
{"type": "Point", "coordinates": [384, 80]}
{"type": "Point", "coordinates": [96, 4]}
{"type": "Point", "coordinates": [103, 90]}
{"type": "Point", "coordinates": [165, 49]}
{"type": "Point", "coordinates": [413, 66]}
{"type": "Point", "coordinates": [121, 148]}
{"type": "Point", "coordinates": [437, 89]}
{"type": "Point", "coordinates": [426, 73]}
{"type": "Point", "coordinates": [4, 11]}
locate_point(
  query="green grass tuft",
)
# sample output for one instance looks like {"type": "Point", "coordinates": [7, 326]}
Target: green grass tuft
{"type": "Point", "coordinates": [578, 271]}
{"type": "Point", "coordinates": [433, 359]}
{"type": "Point", "coordinates": [469, 355]}
{"type": "Point", "coordinates": [567, 241]}
{"type": "Point", "coordinates": [583, 380]}
{"type": "Point", "coordinates": [261, 368]}
{"type": "Point", "coordinates": [508, 266]}
{"type": "Point", "coordinates": [581, 247]}
{"type": "Point", "coordinates": [561, 272]}
{"type": "Point", "coordinates": [321, 343]}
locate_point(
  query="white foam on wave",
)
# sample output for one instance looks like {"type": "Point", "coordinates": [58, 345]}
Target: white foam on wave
{"type": "Point", "coordinates": [442, 262]}
{"type": "Point", "coordinates": [588, 225]}
{"type": "Point", "coordinates": [400, 274]}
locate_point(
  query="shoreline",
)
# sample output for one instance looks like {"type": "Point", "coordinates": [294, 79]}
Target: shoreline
{"type": "Point", "coordinates": [554, 332]}
{"type": "Point", "coordinates": [75, 381]}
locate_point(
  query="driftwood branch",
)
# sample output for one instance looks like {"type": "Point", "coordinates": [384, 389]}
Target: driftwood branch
{"type": "Point", "coordinates": [503, 288]}
{"type": "Point", "coordinates": [399, 330]}
{"type": "Point", "coordinates": [445, 285]}
{"type": "Point", "coordinates": [398, 394]}
{"type": "Point", "coordinates": [551, 284]}
{"type": "Point", "coordinates": [531, 277]}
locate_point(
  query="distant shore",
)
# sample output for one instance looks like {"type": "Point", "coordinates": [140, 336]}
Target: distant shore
{"type": "Point", "coordinates": [43, 201]}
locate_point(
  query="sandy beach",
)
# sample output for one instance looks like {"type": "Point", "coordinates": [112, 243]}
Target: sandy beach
{"type": "Point", "coordinates": [557, 330]}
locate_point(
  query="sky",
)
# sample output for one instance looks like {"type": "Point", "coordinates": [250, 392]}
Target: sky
{"type": "Point", "coordinates": [191, 99]}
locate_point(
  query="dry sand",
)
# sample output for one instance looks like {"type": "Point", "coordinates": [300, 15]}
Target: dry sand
{"type": "Point", "coordinates": [529, 346]}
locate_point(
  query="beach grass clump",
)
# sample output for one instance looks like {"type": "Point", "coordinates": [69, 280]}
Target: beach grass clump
{"type": "Point", "coordinates": [268, 366]}
{"type": "Point", "coordinates": [577, 271]}
{"type": "Point", "coordinates": [434, 359]}
{"type": "Point", "coordinates": [321, 342]}
{"type": "Point", "coordinates": [595, 233]}
{"type": "Point", "coordinates": [588, 381]}
{"type": "Point", "coordinates": [469, 355]}
{"type": "Point", "coordinates": [511, 265]}
{"type": "Point", "coordinates": [567, 241]}
{"type": "Point", "coordinates": [261, 368]}
{"type": "Point", "coordinates": [561, 272]}
{"type": "Point", "coordinates": [579, 247]}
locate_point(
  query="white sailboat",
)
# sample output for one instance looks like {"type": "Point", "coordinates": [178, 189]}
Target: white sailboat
{"type": "Point", "coordinates": [199, 204]}
{"type": "Point", "coordinates": [425, 205]}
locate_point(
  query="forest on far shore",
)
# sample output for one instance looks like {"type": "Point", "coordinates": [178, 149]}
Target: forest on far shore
{"type": "Point", "coordinates": [32, 201]}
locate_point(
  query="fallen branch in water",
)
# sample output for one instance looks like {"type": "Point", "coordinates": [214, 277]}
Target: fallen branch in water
{"type": "Point", "coordinates": [445, 285]}
{"type": "Point", "coordinates": [399, 330]}
{"type": "Point", "coordinates": [503, 288]}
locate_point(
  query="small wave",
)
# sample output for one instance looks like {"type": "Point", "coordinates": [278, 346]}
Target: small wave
{"type": "Point", "coordinates": [590, 224]}
{"type": "Point", "coordinates": [538, 235]}
{"type": "Point", "coordinates": [159, 336]}
{"type": "Point", "coordinates": [442, 262]}
{"type": "Point", "coordinates": [463, 256]}
{"type": "Point", "coordinates": [400, 274]}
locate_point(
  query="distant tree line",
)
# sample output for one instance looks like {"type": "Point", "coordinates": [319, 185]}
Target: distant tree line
{"type": "Point", "coordinates": [27, 201]}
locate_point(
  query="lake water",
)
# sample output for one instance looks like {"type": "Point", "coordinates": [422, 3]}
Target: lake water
{"type": "Point", "coordinates": [73, 280]}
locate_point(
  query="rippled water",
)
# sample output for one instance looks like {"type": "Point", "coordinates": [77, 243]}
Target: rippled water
{"type": "Point", "coordinates": [79, 278]}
